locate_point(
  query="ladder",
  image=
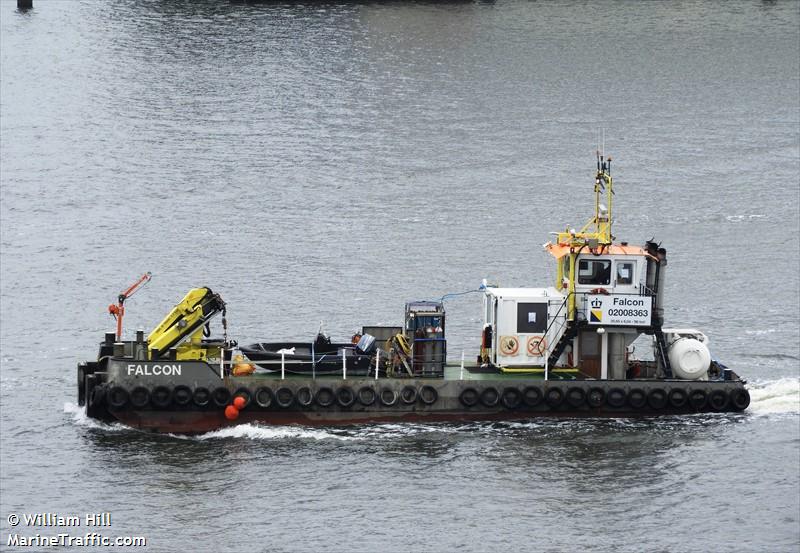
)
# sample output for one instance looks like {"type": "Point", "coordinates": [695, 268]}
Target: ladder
{"type": "Point", "coordinates": [572, 330]}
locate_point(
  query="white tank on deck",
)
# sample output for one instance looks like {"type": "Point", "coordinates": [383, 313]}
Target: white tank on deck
{"type": "Point", "coordinates": [689, 359]}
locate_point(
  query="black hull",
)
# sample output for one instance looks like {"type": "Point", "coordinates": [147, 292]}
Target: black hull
{"type": "Point", "coordinates": [336, 401]}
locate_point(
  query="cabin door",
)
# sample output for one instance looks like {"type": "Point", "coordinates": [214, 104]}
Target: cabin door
{"type": "Point", "coordinates": [589, 356]}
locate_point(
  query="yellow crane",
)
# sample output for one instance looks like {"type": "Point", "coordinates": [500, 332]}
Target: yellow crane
{"type": "Point", "coordinates": [184, 325]}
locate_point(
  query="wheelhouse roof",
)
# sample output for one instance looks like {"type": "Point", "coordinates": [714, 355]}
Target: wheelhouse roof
{"type": "Point", "coordinates": [560, 250]}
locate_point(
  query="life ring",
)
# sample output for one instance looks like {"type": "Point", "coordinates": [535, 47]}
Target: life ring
{"type": "Point", "coordinates": [263, 397]}
{"type": "Point", "coordinates": [490, 397]}
{"type": "Point", "coordinates": [388, 397]}
{"type": "Point", "coordinates": [718, 400]}
{"type": "Point", "coordinates": [532, 396]}
{"type": "Point", "coordinates": [284, 397]}
{"type": "Point", "coordinates": [324, 397]}
{"type": "Point", "coordinates": [243, 393]}
{"type": "Point", "coordinates": [678, 398]}
{"type": "Point", "coordinates": [576, 397]}
{"type": "Point", "coordinates": [428, 394]}
{"type": "Point", "coordinates": [553, 397]}
{"type": "Point", "coordinates": [221, 396]}
{"type": "Point", "coordinates": [161, 397]}
{"type": "Point", "coordinates": [511, 398]}
{"type": "Point", "coordinates": [698, 399]}
{"type": "Point", "coordinates": [303, 396]}
{"type": "Point", "coordinates": [615, 397]}
{"type": "Point", "coordinates": [740, 399]}
{"type": "Point", "coordinates": [637, 398]}
{"type": "Point", "coordinates": [657, 399]}
{"type": "Point", "coordinates": [408, 395]}
{"type": "Point", "coordinates": [345, 396]}
{"type": "Point", "coordinates": [536, 346]}
{"type": "Point", "coordinates": [117, 397]}
{"type": "Point", "coordinates": [509, 345]}
{"type": "Point", "coordinates": [469, 397]}
{"type": "Point", "coordinates": [367, 395]}
{"type": "Point", "coordinates": [182, 395]}
{"type": "Point", "coordinates": [200, 397]}
{"type": "Point", "coordinates": [601, 291]}
{"type": "Point", "coordinates": [596, 397]}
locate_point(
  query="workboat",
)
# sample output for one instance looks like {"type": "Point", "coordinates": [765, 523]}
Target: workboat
{"type": "Point", "coordinates": [591, 344]}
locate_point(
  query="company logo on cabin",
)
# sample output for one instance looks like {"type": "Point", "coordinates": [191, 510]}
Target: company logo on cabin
{"type": "Point", "coordinates": [596, 313]}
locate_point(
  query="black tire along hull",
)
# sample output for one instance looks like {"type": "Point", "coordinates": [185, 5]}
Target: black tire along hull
{"type": "Point", "coordinates": [334, 401]}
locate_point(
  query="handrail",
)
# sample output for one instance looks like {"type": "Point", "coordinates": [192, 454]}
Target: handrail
{"type": "Point", "coordinates": [555, 317]}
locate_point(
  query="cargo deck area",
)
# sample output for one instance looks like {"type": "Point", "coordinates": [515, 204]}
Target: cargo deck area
{"type": "Point", "coordinates": [451, 372]}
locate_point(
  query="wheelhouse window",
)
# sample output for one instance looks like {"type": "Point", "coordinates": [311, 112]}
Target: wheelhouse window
{"type": "Point", "coordinates": [594, 271]}
{"type": "Point", "coordinates": [625, 272]}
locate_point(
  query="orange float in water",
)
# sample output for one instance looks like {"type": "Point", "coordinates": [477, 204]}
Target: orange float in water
{"type": "Point", "coordinates": [239, 402]}
{"type": "Point", "coordinates": [231, 413]}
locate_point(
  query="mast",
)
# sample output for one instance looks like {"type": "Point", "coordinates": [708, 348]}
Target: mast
{"type": "Point", "coordinates": [602, 221]}
{"type": "Point", "coordinates": [595, 235]}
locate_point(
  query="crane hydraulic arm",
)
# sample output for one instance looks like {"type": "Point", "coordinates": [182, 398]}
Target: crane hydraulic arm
{"type": "Point", "coordinates": [186, 321]}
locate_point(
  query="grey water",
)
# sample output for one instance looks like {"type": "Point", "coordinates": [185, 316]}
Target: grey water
{"type": "Point", "coordinates": [328, 161]}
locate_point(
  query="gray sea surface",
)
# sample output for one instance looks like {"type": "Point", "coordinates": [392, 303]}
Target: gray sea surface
{"type": "Point", "coordinates": [328, 161]}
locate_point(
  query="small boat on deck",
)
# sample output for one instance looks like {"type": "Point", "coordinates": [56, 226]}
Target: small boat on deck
{"type": "Point", "coordinates": [320, 357]}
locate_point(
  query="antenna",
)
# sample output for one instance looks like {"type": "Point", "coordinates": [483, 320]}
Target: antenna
{"type": "Point", "coordinates": [597, 151]}
{"type": "Point", "coordinates": [604, 141]}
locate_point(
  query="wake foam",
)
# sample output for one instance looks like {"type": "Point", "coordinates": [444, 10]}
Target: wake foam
{"type": "Point", "coordinates": [258, 432]}
{"type": "Point", "coordinates": [775, 396]}
{"type": "Point", "coordinates": [761, 332]}
{"type": "Point", "coordinates": [79, 417]}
